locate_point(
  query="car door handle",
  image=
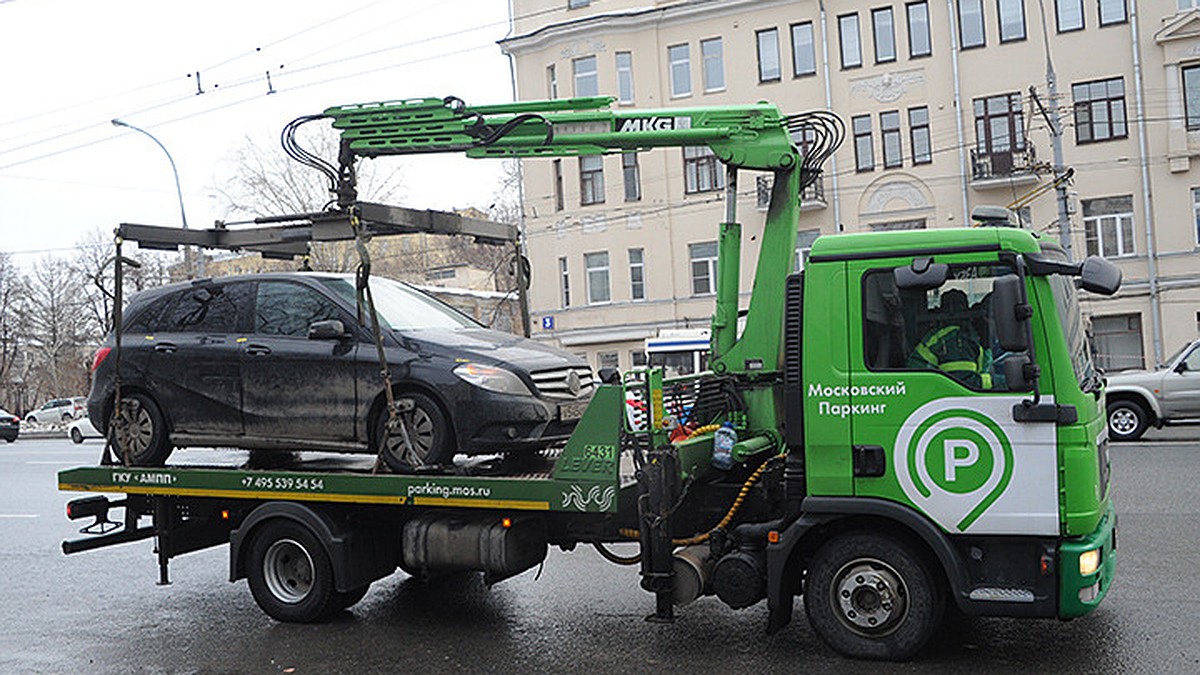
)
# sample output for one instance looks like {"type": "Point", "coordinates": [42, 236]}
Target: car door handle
{"type": "Point", "coordinates": [165, 348]}
{"type": "Point", "coordinates": [258, 350]}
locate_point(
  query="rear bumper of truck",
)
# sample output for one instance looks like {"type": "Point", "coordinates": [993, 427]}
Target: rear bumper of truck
{"type": "Point", "coordinates": [1086, 568]}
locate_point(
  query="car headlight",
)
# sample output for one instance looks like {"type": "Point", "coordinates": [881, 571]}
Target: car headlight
{"type": "Point", "coordinates": [498, 380]}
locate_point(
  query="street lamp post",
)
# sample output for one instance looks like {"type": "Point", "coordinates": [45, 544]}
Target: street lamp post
{"type": "Point", "coordinates": [187, 250]}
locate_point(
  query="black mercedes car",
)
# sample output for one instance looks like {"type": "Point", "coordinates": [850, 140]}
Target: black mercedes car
{"type": "Point", "coordinates": [282, 361]}
{"type": "Point", "coordinates": [10, 426]}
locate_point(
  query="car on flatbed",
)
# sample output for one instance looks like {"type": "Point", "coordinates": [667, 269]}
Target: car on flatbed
{"type": "Point", "coordinates": [1170, 394]}
{"type": "Point", "coordinates": [282, 361]}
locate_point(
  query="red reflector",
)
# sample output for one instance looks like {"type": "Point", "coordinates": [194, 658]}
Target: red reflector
{"type": "Point", "coordinates": [101, 354]}
{"type": "Point", "coordinates": [773, 536]}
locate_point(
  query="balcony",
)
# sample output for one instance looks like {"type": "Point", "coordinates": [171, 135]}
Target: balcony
{"type": "Point", "coordinates": [1003, 168]}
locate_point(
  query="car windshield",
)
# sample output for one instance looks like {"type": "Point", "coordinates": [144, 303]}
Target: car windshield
{"type": "Point", "coordinates": [401, 307]}
{"type": "Point", "coordinates": [1174, 357]}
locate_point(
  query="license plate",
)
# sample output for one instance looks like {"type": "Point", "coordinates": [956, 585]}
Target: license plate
{"type": "Point", "coordinates": [571, 411]}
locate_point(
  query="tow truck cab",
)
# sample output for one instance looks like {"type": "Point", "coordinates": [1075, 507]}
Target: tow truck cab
{"type": "Point", "coordinates": [946, 388]}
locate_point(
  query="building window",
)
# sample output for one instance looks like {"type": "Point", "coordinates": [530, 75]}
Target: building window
{"type": "Point", "coordinates": [558, 185]}
{"type": "Point", "coordinates": [1118, 342]}
{"type": "Point", "coordinates": [1113, 12]}
{"type": "Point", "coordinates": [883, 28]}
{"type": "Point", "coordinates": [624, 77]}
{"type": "Point", "coordinates": [681, 70]}
{"type": "Point", "coordinates": [1196, 214]}
{"type": "Point", "coordinates": [576, 4]}
{"type": "Point", "coordinates": [1099, 110]}
{"type": "Point", "coordinates": [804, 242]}
{"type": "Point", "coordinates": [889, 133]}
{"type": "Point", "coordinates": [864, 153]}
{"type": "Point", "coordinates": [551, 81]}
{"type": "Point", "coordinates": [1069, 14]}
{"type": "Point", "coordinates": [637, 274]}
{"type": "Point", "coordinates": [701, 170]}
{"type": "Point", "coordinates": [632, 175]}
{"type": "Point", "coordinates": [769, 69]}
{"type": "Point", "coordinates": [1191, 96]}
{"type": "Point", "coordinates": [586, 82]}
{"type": "Point", "coordinates": [849, 37]}
{"type": "Point", "coordinates": [804, 60]}
{"type": "Point", "coordinates": [1108, 226]}
{"type": "Point", "coordinates": [637, 357]}
{"type": "Point", "coordinates": [591, 180]}
{"type": "Point", "coordinates": [596, 266]}
{"type": "Point", "coordinates": [703, 258]}
{"type": "Point", "coordinates": [607, 360]}
{"type": "Point", "coordinates": [918, 132]}
{"type": "Point", "coordinates": [919, 40]}
{"type": "Point", "coordinates": [999, 131]}
{"type": "Point", "coordinates": [712, 54]}
{"type": "Point", "coordinates": [1012, 19]}
{"type": "Point", "coordinates": [970, 23]}
{"type": "Point", "coordinates": [899, 225]}
{"type": "Point", "coordinates": [564, 283]}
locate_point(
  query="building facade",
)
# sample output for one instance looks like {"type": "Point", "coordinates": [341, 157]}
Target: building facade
{"type": "Point", "coordinates": [948, 104]}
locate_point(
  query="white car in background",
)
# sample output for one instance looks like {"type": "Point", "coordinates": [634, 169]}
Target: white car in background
{"type": "Point", "coordinates": [82, 428]}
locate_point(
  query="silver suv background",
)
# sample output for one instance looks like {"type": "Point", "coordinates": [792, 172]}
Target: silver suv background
{"type": "Point", "coordinates": [57, 410]}
{"type": "Point", "coordinates": [1170, 394]}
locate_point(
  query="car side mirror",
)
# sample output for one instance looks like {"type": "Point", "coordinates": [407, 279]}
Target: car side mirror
{"type": "Point", "coordinates": [1182, 367]}
{"type": "Point", "coordinates": [329, 329]}
{"type": "Point", "coordinates": [1011, 313]}
{"type": "Point", "coordinates": [922, 275]}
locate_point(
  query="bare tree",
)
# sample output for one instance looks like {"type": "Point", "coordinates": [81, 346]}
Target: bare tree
{"type": "Point", "coordinates": [95, 268]}
{"type": "Point", "coordinates": [57, 363]}
{"type": "Point", "coordinates": [12, 297]}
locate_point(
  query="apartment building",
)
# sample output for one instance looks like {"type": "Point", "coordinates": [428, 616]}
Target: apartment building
{"type": "Point", "coordinates": [948, 104]}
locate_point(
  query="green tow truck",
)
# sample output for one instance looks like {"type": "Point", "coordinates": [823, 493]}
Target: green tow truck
{"type": "Point", "coordinates": [919, 426]}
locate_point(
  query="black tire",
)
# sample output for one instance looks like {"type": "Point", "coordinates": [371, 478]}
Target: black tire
{"type": "Point", "coordinates": [290, 575]}
{"type": "Point", "coordinates": [141, 433]}
{"type": "Point", "coordinates": [870, 596]}
{"type": "Point", "coordinates": [76, 436]}
{"type": "Point", "coordinates": [1127, 420]}
{"type": "Point", "coordinates": [428, 430]}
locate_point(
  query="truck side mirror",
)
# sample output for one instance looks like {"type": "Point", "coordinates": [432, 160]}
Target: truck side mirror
{"type": "Point", "coordinates": [1011, 313]}
{"type": "Point", "coordinates": [1098, 275]}
{"type": "Point", "coordinates": [922, 275]}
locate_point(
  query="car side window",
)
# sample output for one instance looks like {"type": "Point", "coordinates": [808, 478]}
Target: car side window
{"type": "Point", "coordinates": [205, 309]}
{"type": "Point", "coordinates": [146, 321]}
{"type": "Point", "coordinates": [1192, 362]}
{"type": "Point", "coordinates": [284, 308]}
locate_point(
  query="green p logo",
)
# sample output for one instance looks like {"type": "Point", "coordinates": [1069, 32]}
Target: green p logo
{"type": "Point", "coordinates": [953, 464]}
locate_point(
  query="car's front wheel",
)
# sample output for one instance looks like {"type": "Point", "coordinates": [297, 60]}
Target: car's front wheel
{"type": "Point", "coordinates": [141, 433]}
{"type": "Point", "coordinates": [1127, 420]}
{"type": "Point", "coordinates": [420, 437]}
{"type": "Point", "coordinates": [76, 436]}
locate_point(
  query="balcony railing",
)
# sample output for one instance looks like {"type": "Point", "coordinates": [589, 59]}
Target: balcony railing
{"type": "Point", "coordinates": [1002, 164]}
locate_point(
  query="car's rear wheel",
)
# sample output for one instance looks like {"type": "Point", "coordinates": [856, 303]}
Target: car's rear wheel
{"type": "Point", "coordinates": [141, 433]}
{"type": "Point", "coordinates": [76, 436]}
{"type": "Point", "coordinates": [1127, 420]}
{"type": "Point", "coordinates": [427, 430]}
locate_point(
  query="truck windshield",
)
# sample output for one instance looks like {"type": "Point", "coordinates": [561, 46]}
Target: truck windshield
{"type": "Point", "coordinates": [1066, 301]}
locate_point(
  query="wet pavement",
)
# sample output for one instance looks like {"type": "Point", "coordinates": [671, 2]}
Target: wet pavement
{"type": "Point", "coordinates": [101, 611]}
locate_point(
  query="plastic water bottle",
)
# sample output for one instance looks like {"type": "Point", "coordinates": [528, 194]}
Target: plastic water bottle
{"type": "Point", "coordinates": [723, 442]}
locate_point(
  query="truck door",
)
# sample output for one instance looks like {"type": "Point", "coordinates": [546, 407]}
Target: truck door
{"type": "Point", "coordinates": [826, 381]}
{"type": "Point", "coordinates": [932, 422]}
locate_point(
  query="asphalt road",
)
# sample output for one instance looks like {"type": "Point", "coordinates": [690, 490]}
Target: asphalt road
{"type": "Point", "coordinates": [102, 612]}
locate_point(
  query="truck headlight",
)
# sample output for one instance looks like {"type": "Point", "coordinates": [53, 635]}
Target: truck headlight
{"type": "Point", "coordinates": [498, 380]}
{"type": "Point", "coordinates": [1089, 562]}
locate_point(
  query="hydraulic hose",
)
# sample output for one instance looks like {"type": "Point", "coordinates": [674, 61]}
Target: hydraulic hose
{"type": "Point", "coordinates": [613, 557]}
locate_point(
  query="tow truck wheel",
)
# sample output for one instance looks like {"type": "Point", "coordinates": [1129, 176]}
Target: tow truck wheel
{"type": "Point", "coordinates": [1127, 420]}
{"type": "Point", "coordinates": [141, 432]}
{"type": "Point", "coordinates": [871, 596]}
{"type": "Point", "coordinates": [428, 431]}
{"type": "Point", "coordinates": [290, 574]}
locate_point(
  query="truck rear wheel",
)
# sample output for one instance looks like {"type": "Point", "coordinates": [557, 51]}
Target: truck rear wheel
{"type": "Point", "coordinates": [291, 576]}
{"type": "Point", "coordinates": [871, 596]}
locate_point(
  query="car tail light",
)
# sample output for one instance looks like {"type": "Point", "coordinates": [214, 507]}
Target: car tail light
{"type": "Point", "coordinates": [101, 354]}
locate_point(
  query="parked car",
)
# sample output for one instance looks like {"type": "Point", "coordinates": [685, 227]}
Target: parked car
{"type": "Point", "coordinates": [10, 426]}
{"type": "Point", "coordinates": [1169, 394]}
{"type": "Point", "coordinates": [280, 361]}
{"type": "Point", "coordinates": [81, 429]}
{"type": "Point", "coordinates": [57, 410]}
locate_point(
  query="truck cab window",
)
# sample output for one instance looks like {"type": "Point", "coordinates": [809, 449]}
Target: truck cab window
{"type": "Point", "coordinates": [948, 329]}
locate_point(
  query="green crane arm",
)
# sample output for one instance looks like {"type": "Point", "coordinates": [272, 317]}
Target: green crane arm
{"type": "Point", "coordinates": [756, 137]}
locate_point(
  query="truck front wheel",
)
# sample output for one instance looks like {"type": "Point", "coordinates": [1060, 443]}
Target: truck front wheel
{"type": "Point", "coordinates": [871, 596]}
{"type": "Point", "coordinates": [290, 574]}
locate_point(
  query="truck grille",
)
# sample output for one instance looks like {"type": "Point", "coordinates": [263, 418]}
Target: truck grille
{"type": "Point", "coordinates": [564, 383]}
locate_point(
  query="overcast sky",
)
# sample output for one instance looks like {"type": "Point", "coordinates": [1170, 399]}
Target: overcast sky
{"type": "Point", "coordinates": [70, 66]}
